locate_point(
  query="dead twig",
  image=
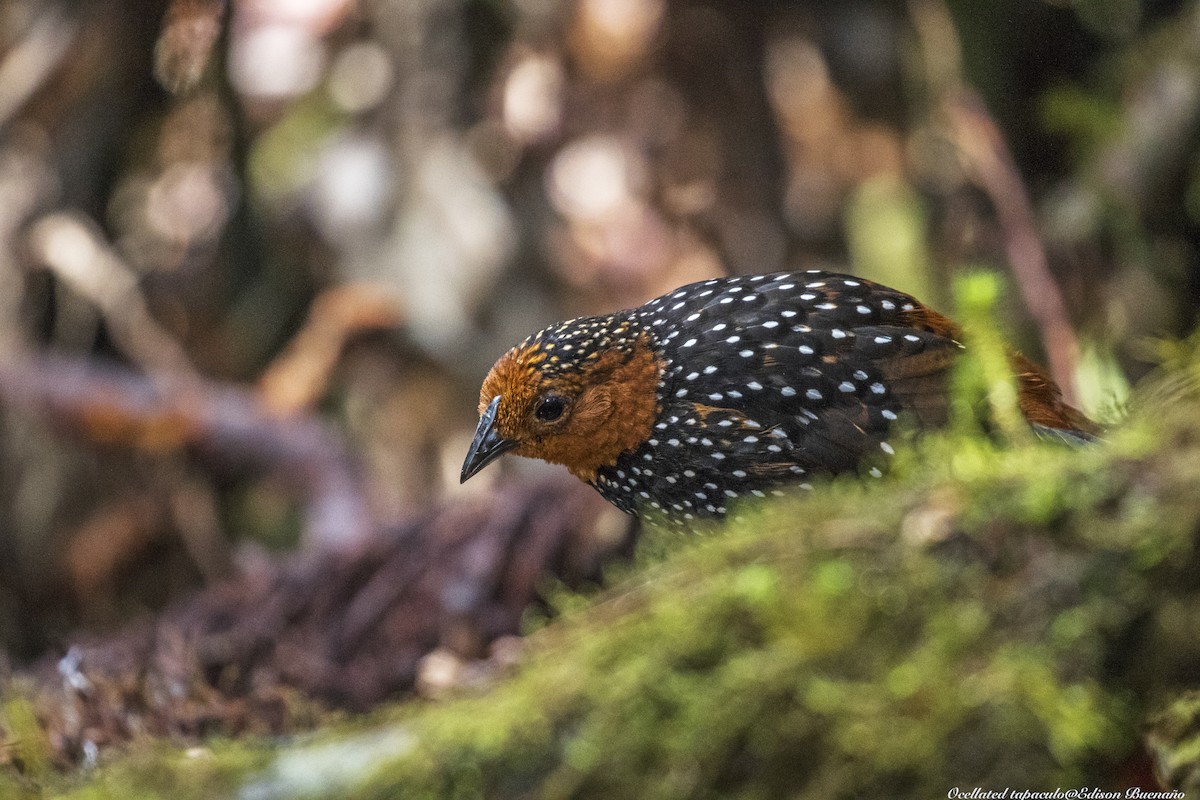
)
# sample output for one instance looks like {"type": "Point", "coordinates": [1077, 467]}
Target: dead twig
{"type": "Point", "coordinates": [987, 156]}
{"type": "Point", "coordinates": [990, 165]}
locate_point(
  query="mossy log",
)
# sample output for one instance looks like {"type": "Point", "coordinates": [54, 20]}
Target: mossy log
{"type": "Point", "coordinates": [990, 615]}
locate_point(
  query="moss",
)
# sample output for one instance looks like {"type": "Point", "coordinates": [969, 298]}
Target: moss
{"type": "Point", "coordinates": [27, 747]}
{"type": "Point", "coordinates": [1175, 742]}
{"type": "Point", "coordinates": [161, 770]}
{"type": "Point", "coordinates": [994, 614]}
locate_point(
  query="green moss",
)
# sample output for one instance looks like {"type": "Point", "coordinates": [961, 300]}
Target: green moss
{"type": "Point", "coordinates": [26, 743]}
{"type": "Point", "coordinates": [162, 770]}
{"type": "Point", "coordinates": [996, 613]}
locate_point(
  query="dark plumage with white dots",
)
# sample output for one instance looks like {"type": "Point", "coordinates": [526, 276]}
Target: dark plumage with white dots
{"type": "Point", "coordinates": [731, 388]}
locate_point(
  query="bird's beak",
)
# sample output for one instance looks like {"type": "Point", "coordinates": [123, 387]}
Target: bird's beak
{"type": "Point", "coordinates": [487, 445]}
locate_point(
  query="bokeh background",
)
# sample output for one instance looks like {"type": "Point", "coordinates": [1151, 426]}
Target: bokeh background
{"type": "Point", "coordinates": [347, 210]}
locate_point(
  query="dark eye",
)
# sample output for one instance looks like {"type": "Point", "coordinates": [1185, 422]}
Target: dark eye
{"type": "Point", "coordinates": [550, 408]}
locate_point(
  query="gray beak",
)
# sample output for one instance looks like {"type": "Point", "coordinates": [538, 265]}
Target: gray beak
{"type": "Point", "coordinates": [487, 445]}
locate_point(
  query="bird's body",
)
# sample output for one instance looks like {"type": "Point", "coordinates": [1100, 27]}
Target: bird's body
{"type": "Point", "coordinates": [730, 388]}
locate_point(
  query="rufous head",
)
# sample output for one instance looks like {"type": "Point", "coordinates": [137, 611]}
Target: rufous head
{"type": "Point", "coordinates": [579, 394]}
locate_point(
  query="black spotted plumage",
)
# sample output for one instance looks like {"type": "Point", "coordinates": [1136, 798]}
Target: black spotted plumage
{"type": "Point", "coordinates": [765, 382]}
{"type": "Point", "coordinates": [769, 380]}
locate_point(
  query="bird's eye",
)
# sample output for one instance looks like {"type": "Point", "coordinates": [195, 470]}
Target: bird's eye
{"type": "Point", "coordinates": [550, 408]}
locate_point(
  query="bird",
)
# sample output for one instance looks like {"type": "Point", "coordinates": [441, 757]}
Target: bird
{"type": "Point", "coordinates": [733, 388]}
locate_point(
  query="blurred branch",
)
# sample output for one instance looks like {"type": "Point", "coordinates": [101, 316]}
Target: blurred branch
{"type": "Point", "coordinates": [34, 58]}
{"type": "Point", "coordinates": [988, 158]}
{"type": "Point", "coordinates": [74, 250]}
{"type": "Point", "coordinates": [296, 379]}
{"type": "Point", "coordinates": [226, 423]}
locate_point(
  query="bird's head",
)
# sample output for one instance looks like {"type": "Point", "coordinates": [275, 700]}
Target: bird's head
{"type": "Point", "coordinates": [578, 394]}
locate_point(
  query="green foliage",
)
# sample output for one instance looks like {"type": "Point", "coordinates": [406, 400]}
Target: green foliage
{"type": "Point", "coordinates": [984, 388]}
